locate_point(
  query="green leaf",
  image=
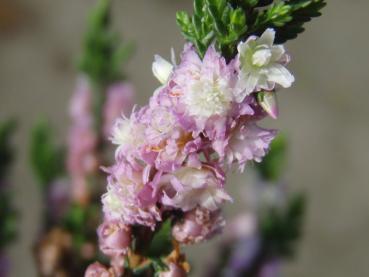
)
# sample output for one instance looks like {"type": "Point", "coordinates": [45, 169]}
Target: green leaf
{"type": "Point", "coordinates": [47, 159]}
{"type": "Point", "coordinates": [227, 22]}
{"type": "Point", "coordinates": [273, 164]}
{"type": "Point", "coordinates": [161, 243]}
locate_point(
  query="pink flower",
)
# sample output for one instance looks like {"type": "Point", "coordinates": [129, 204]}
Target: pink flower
{"type": "Point", "coordinates": [114, 238]}
{"type": "Point", "coordinates": [198, 225]}
{"type": "Point", "coordinates": [121, 201]}
{"type": "Point", "coordinates": [119, 100]}
{"type": "Point", "coordinates": [204, 88]}
{"type": "Point", "coordinates": [248, 142]}
{"type": "Point", "coordinates": [189, 187]}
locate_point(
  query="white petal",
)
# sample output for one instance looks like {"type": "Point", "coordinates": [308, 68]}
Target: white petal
{"type": "Point", "coordinates": [267, 37]}
{"type": "Point", "coordinates": [279, 74]}
{"type": "Point", "coordinates": [251, 82]}
{"type": "Point", "coordinates": [277, 52]}
{"type": "Point", "coordinates": [161, 69]}
{"type": "Point", "coordinates": [245, 86]}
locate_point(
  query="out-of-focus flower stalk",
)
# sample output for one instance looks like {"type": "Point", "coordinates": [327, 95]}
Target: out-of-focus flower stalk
{"type": "Point", "coordinates": [101, 95]}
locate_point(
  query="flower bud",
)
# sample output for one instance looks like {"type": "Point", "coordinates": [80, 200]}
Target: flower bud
{"type": "Point", "coordinates": [162, 69]}
{"type": "Point", "coordinates": [174, 271]}
{"type": "Point", "coordinates": [198, 225]}
{"type": "Point", "coordinates": [114, 238]}
{"type": "Point", "coordinates": [268, 101]}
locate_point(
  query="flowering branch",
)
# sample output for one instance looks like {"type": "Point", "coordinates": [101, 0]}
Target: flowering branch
{"type": "Point", "coordinates": [168, 183]}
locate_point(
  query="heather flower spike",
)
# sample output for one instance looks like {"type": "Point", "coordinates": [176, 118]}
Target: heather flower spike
{"type": "Point", "coordinates": [169, 183]}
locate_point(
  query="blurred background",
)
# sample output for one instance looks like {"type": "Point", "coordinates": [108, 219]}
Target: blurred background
{"type": "Point", "coordinates": [324, 115]}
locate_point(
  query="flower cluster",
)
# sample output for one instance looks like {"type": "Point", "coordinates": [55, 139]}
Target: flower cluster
{"type": "Point", "coordinates": [173, 154]}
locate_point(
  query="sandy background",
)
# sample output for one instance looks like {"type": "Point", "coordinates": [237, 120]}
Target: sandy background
{"type": "Point", "coordinates": [325, 114]}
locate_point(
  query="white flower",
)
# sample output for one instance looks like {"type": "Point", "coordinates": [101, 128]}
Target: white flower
{"type": "Point", "coordinates": [112, 204]}
{"type": "Point", "coordinates": [127, 133]}
{"type": "Point", "coordinates": [162, 69]}
{"type": "Point", "coordinates": [262, 65]}
{"type": "Point", "coordinates": [206, 98]}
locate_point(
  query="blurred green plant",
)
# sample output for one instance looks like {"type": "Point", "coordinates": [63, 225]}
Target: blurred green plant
{"type": "Point", "coordinates": [281, 228]}
{"type": "Point", "coordinates": [227, 22]}
{"type": "Point", "coordinates": [8, 214]}
{"type": "Point", "coordinates": [47, 159]}
{"type": "Point", "coordinates": [274, 163]}
{"type": "Point", "coordinates": [6, 150]}
{"type": "Point", "coordinates": [103, 55]}
{"type": "Point", "coordinates": [280, 224]}
{"type": "Point", "coordinates": [103, 52]}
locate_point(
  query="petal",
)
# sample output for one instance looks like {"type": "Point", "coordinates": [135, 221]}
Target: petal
{"type": "Point", "coordinates": [267, 37]}
{"type": "Point", "coordinates": [277, 52]}
{"type": "Point", "coordinates": [245, 86]}
{"type": "Point", "coordinates": [161, 69]}
{"type": "Point", "coordinates": [279, 74]}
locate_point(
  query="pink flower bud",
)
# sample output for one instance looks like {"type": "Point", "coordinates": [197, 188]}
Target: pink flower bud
{"type": "Point", "coordinates": [268, 101]}
{"type": "Point", "coordinates": [114, 238]}
{"type": "Point", "coordinates": [174, 271]}
{"type": "Point", "coordinates": [98, 270]}
{"type": "Point", "coordinates": [198, 225]}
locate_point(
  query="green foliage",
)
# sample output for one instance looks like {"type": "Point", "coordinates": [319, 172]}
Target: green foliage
{"type": "Point", "coordinates": [103, 53]}
{"type": "Point", "coordinates": [6, 150]}
{"type": "Point", "coordinates": [213, 21]}
{"type": "Point", "coordinates": [287, 17]}
{"type": "Point", "coordinates": [47, 159]}
{"type": "Point", "coordinates": [81, 222]}
{"type": "Point", "coordinates": [281, 228]}
{"type": "Point", "coordinates": [227, 22]}
{"type": "Point", "coordinates": [161, 243]}
{"type": "Point", "coordinates": [8, 218]}
{"type": "Point", "coordinates": [272, 166]}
